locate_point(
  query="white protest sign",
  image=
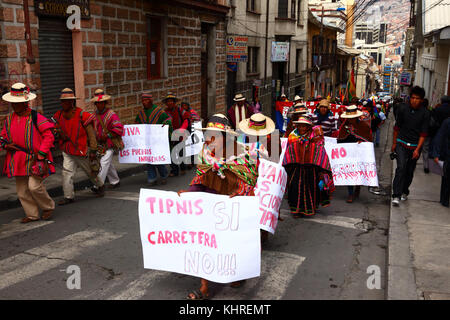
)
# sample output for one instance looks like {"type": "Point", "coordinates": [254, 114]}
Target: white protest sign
{"type": "Point", "coordinates": [145, 143]}
{"type": "Point", "coordinates": [197, 137]}
{"type": "Point", "coordinates": [269, 189]}
{"type": "Point", "coordinates": [205, 235]}
{"type": "Point", "coordinates": [352, 164]}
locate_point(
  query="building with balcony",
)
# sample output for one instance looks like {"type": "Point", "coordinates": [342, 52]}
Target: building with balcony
{"type": "Point", "coordinates": [276, 35]}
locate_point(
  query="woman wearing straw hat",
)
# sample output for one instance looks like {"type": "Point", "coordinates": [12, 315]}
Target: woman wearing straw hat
{"type": "Point", "coordinates": [108, 128]}
{"type": "Point", "coordinates": [27, 137]}
{"type": "Point", "coordinates": [323, 117]}
{"type": "Point", "coordinates": [257, 134]}
{"type": "Point", "coordinates": [75, 131]}
{"type": "Point", "coordinates": [310, 181]}
{"type": "Point", "coordinates": [353, 130]}
{"type": "Point", "coordinates": [233, 176]}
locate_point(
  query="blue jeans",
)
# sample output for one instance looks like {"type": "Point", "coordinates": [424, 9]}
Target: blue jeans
{"type": "Point", "coordinates": [151, 172]}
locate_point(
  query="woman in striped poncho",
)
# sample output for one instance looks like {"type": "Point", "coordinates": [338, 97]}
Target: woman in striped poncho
{"type": "Point", "coordinates": [219, 173]}
{"type": "Point", "coordinates": [310, 182]}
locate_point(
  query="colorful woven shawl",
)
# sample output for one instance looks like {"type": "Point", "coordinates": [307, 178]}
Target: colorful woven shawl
{"type": "Point", "coordinates": [242, 166]}
{"type": "Point", "coordinates": [307, 149]}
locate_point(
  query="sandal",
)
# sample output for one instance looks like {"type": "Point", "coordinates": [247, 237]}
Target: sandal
{"type": "Point", "coordinates": [46, 215]}
{"type": "Point", "coordinates": [65, 201]}
{"type": "Point", "coordinates": [198, 295]}
{"type": "Point", "coordinates": [27, 219]}
{"type": "Point", "coordinates": [237, 284]}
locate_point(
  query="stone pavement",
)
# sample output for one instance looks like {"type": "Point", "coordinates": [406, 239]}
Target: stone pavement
{"type": "Point", "coordinates": [8, 194]}
{"type": "Point", "coordinates": [419, 243]}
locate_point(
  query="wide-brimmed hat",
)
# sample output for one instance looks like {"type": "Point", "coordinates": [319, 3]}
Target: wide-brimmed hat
{"type": "Point", "coordinates": [239, 97]}
{"type": "Point", "coordinates": [351, 112]}
{"type": "Point", "coordinates": [19, 93]}
{"type": "Point", "coordinates": [303, 120]}
{"type": "Point", "coordinates": [299, 108]}
{"type": "Point", "coordinates": [99, 96]}
{"type": "Point", "coordinates": [146, 94]}
{"type": "Point", "coordinates": [218, 122]}
{"type": "Point", "coordinates": [297, 98]}
{"type": "Point", "coordinates": [170, 95]}
{"type": "Point", "coordinates": [67, 94]}
{"type": "Point", "coordinates": [325, 103]}
{"type": "Point", "coordinates": [257, 125]}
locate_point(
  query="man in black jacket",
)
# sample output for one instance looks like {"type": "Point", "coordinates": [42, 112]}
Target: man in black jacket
{"type": "Point", "coordinates": [441, 151]}
{"type": "Point", "coordinates": [411, 128]}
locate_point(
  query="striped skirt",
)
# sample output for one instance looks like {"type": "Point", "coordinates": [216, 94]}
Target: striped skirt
{"type": "Point", "coordinates": [304, 195]}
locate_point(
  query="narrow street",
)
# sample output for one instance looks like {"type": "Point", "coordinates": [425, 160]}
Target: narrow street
{"type": "Point", "coordinates": [322, 257]}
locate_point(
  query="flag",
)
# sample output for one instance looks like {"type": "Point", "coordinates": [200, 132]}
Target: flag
{"type": "Point", "coordinates": [351, 87]}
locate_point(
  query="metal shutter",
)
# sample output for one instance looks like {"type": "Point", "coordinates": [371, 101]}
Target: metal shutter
{"type": "Point", "coordinates": [56, 61]}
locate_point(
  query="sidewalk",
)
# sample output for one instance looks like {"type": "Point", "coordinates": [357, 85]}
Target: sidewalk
{"type": "Point", "coordinates": [8, 194]}
{"type": "Point", "coordinates": [419, 243]}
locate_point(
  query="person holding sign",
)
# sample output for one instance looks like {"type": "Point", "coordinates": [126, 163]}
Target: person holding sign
{"type": "Point", "coordinates": [310, 181]}
{"type": "Point", "coordinates": [323, 117]}
{"type": "Point", "coordinates": [233, 176]}
{"type": "Point", "coordinates": [181, 120]}
{"type": "Point", "coordinates": [258, 131]}
{"type": "Point", "coordinates": [152, 114]}
{"type": "Point", "coordinates": [109, 132]}
{"type": "Point", "coordinates": [353, 130]}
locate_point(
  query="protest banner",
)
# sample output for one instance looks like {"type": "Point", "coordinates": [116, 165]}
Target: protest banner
{"type": "Point", "coordinates": [205, 235]}
{"type": "Point", "coordinates": [145, 143]}
{"type": "Point", "coordinates": [352, 164]}
{"type": "Point", "coordinates": [194, 143]}
{"type": "Point", "coordinates": [270, 188]}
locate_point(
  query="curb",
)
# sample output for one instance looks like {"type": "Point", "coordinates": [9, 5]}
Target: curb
{"type": "Point", "coordinates": [401, 282]}
{"type": "Point", "coordinates": [78, 185]}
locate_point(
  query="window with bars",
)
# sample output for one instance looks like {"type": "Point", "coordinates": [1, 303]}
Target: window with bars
{"type": "Point", "coordinates": [283, 8]}
{"type": "Point", "coordinates": [299, 12]}
{"type": "Point", "coordinates": [293, 2]}
{"type": "Point", "coordinates": [252, 63]}
{"type": "Point", "coordinates": [298, 61]}
{"type": "Point", "coordinates": [155, 59]}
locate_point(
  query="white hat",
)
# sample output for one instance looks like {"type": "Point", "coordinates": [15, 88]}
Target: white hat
{"type": "Point", "coordinates": [239, 97]}
{"type": "Point", "coordinates": [19, 93]}
{"type": "Point", "coordinates": [296, 98]}
{"type": "Point", "coordinates": [351, 112]}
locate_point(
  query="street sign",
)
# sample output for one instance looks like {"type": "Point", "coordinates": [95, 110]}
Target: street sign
{"type": "Point", "coordinates": [237, 49]}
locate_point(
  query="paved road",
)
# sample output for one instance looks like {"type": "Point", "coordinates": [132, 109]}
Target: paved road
{"type": "Point", "coordinates": [323, 257]}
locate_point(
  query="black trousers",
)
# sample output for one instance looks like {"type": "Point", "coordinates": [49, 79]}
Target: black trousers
{"type": "Point", "coordinates": [404, 173]}
{"type": "Point", "coordinates": [445, 184]}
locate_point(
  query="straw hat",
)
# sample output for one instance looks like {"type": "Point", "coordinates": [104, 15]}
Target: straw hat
{"type": "Point", "coordinates": [257, 125]}
{"type": "Point", "coordinates": [218, 122]}
{"type": "Point", "coordinates": [239, 97]}
{"type": "Point", "coordinates": [298, 98]}
{"type": "Point", "coordinates": [67, 94]}
{"type": "Point", "coordinates": [351, 112]}
{"type": "Point", "coordinates": [325, 103]}
{"type": "Point", "coordinates": [170, 95]}
{"type": "Point", "coordinates": [99, 96]}
{"type": "Point", "coordinates": [304, 120]}
{"type": "Point", "coordinates": [19, 93]}
{"type": "Point", "coordinates": [299, 108]}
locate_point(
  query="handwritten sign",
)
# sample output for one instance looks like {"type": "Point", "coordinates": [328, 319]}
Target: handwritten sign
{"type": "Point", "coordinates": [145, 143]}
{"type": "Point", "coordinates": [209, 236]}
{"type": "Point", "coordinates": [270, 189]}
{"type": "Point", "coordinates": [352, 164]}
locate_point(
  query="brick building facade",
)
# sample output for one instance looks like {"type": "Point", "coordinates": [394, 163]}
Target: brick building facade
{"type": "Point", "coordinates": [124, 47]}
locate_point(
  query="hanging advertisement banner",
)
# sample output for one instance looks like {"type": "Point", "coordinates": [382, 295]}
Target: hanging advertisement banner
{"type": "Point", "coordinates": [280, 51]}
